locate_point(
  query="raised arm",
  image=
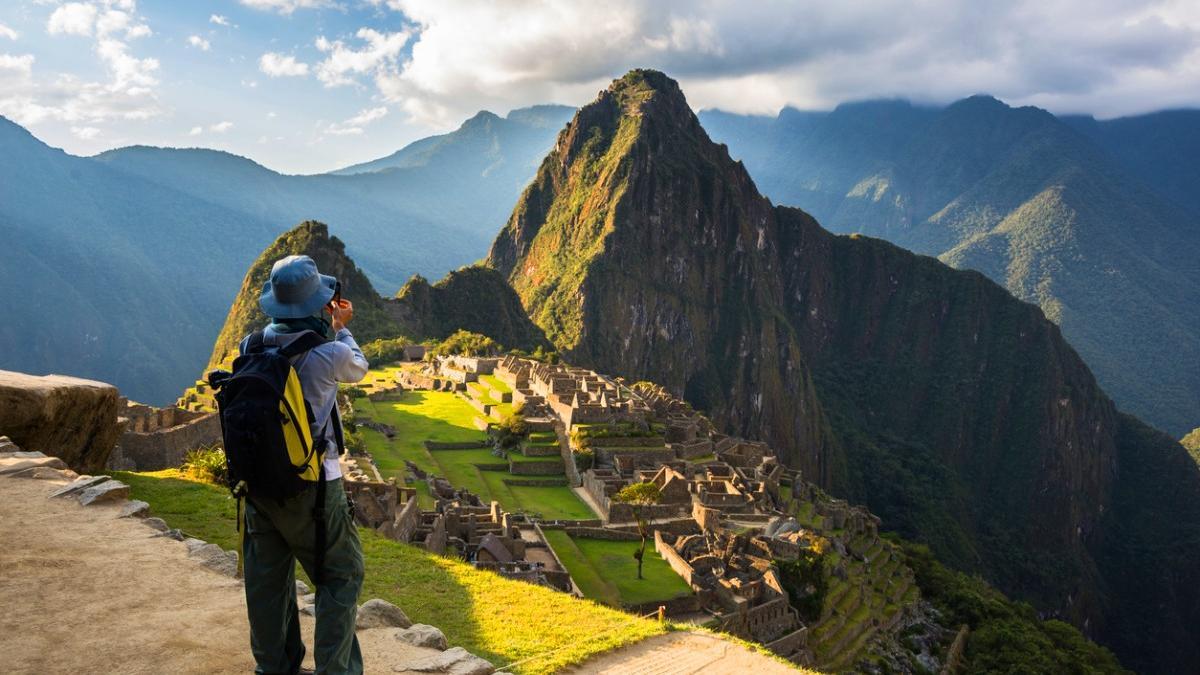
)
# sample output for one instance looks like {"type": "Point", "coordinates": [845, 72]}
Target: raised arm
{"type": "Point", "coordinates": [349, 364]}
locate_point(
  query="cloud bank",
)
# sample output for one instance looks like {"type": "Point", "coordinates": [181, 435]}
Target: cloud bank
{"type": "Point", "coordinates": [1105, 56]}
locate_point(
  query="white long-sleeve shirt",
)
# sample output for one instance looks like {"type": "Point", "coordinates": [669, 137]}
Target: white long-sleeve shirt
{"type": "Point", "coordinates": [320, 370]}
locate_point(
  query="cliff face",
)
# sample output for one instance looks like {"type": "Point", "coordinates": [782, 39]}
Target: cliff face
{"type": "Point", "coordinates": [955, 411]}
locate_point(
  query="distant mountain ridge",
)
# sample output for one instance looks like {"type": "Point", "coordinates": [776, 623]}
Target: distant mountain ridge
{"type": "Point", "coordinates": [133, 255]}
{"type": "Point", "coordinates": [1096, 222]}
{"type": "Point", "coordinates": [955, 411]}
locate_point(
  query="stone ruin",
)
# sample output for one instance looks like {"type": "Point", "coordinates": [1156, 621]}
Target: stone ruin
{"type": "Point", "coordinates": [159, 438]}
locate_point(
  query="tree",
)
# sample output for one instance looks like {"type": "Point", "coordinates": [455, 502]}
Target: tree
{"type": "Point", "coordinates": [639, 496]}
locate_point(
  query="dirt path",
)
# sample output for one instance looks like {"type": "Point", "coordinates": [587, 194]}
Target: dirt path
{"type": "Point", "coordinates": [82, 591]}
{"type": "Point", "coordinates": [682, 654]}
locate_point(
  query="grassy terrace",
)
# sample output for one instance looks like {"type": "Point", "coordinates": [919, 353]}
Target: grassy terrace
{"type": "Point", "coordinates": [496, 618]}
{"type": "Point", "coordinates": [442, 416]}
{"type": "Point", "coordinates": [606, 571]}
{"type": "Point", "coordinates": [495, 383]}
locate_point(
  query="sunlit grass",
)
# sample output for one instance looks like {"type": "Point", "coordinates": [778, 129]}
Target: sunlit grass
{"type": "Point", "coordinates": [499, 619]}
{"type": "Point", "coordinates": [606, 570]}
{"type": "Point", "coordinates": [443, 416]}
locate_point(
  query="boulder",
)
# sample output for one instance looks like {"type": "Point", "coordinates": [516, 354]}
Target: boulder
{"type": "Point", "coordinates": [302, 588]}
{"type": "Point", "coordinates": [156, 524]}
{"type": "Point", "coordinates": [135, 509]}
{"type": "Point", "coordinates": [45, 473]}
{"type": "Point", "coordinates": [108, 491]}
{"type": "Point", "coordinates": [454, 661]}
{"type": "Point", "coordinates": [309, 599]}
{"type": "Point", "coordinates": [376, 613]}
{"type": "Point", "coordinates": [422, 635]}
{"type": "Point", "coordinates": [213, 557]}
{"type": "Point", "coordinates": [308, 609]}
{"type": "Point", "coordinates": [78, 485]}
{"type": "Point", "coordinates": [15, 465]}
{"type": "Point", "coordinates": [7, 445]}
{"type": "Point", "coordinates": [71, 418]}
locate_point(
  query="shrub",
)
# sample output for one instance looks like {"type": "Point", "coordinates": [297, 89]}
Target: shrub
{"type": "Point", "coordinates": [584, 459]}
{"type": "Point", "coordinates": [512, 429]}
{"type": "Point", "coordinates": [206, 464]}
{"type": "Point", "coordinates": [384, 351]}
{"type": "Point", "coordinates": [355, 392]}
{"type": "Point", "coordinates": [468, 344]}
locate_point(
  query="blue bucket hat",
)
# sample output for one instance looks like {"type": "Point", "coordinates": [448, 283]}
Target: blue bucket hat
{"type": "Point", "coordinates": [296, 289]}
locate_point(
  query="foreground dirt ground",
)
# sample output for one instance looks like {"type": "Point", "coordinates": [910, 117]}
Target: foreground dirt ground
{"type": "Point", "coordinates": [86, 592]}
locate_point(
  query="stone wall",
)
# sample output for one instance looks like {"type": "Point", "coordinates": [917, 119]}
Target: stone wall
{"type": "Point", "coordinates": [676, 561]}
{"type": "Point", "coordinates": [164, 448]}
{"type": "Point", "coordinates": [526, 468]}
{"type": "Point", "coordinates": [623, 513]}
{"type": "Point", "coordinates": [602, 533]}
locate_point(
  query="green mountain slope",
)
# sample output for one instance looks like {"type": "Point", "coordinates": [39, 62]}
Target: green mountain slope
{"type": "Point", "coordinates": [956, 412]}
{"type": "Point", "coordinates": [1091, 227]}
{"type": "Point", "coordinates": [105, 266]}
{"type": "Point", "coordinates": [474, 299]}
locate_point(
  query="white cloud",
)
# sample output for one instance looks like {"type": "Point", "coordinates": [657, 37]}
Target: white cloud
{"type": "Point", "coordinates": [469, 55]}
{"type": "Point", "coordinates": [22, 64]}
{"type": "Point", "coordinates": [9, 33]}
{"type": "Point", "coordinates": [85, 133]}
{"type": "Point", "coordinates": [285, 6]}
{"type": "Point", "coordinates": [196, 131]}
{"type": "Point", "coordinates": [279, 65]}
{"type": "Point", "coordinates": [73, 18]}
{"type": "Point", "coordinates": [221, 127]}
{"type": "Point", "coordinates": [199, 42]}
{"type": "Point", "coordinates": [219, 20]}
{"type": "Point", "coordinates": [128, 93]}
{"type": "Point", "coordinates": [354, 125]}
{"type": "Point", "coordinates": [343, 62]}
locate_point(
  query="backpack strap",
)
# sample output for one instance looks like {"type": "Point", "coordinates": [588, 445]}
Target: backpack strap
{"type": "Point", "coordinates": [255, 343]}
{"type": "Point", "coordinates": [307, 340]}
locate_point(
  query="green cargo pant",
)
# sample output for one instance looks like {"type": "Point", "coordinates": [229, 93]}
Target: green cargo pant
{"type": "Point", "coordinates": [279, 534]}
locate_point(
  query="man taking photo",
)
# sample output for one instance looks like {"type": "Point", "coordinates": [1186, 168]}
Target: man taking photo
{"type": "Point", "coordinates": [280, 532]}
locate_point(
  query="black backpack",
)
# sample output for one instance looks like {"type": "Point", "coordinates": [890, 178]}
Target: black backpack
{"type": "Point", "coordinates": [266, 426]}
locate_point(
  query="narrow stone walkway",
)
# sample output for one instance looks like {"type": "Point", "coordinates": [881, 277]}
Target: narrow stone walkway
{"type": "Point", "coordinates": [683, 654]}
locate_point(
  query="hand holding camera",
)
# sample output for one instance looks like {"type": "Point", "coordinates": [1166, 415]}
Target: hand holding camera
{"type": "Point", "coordinates": [342, 311]}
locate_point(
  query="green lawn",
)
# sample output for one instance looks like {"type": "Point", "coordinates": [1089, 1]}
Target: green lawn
{"type": "Point", "coordinates": [443, 416]}
{"type": "Point", "coordinates": [499, 619]}
{"type": "Point", "coordinates": [606, 570]}
{"type": "Point", "coordinates": [554, 502]}
{"type": "Point", "coordinates": [496, 383]}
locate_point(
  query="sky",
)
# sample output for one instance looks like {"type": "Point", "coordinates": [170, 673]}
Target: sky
{"type": "Point", "coordinates": [305, 86]}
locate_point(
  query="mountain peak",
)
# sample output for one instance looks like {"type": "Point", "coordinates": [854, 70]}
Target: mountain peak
{"type": "Point", "coordinates": [481, 119]}
{"type": "Point", "coordinates": [309, 238]}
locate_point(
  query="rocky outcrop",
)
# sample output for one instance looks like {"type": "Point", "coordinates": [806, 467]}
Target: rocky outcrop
{"type": "Point", "coordinates": [66, 417]}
